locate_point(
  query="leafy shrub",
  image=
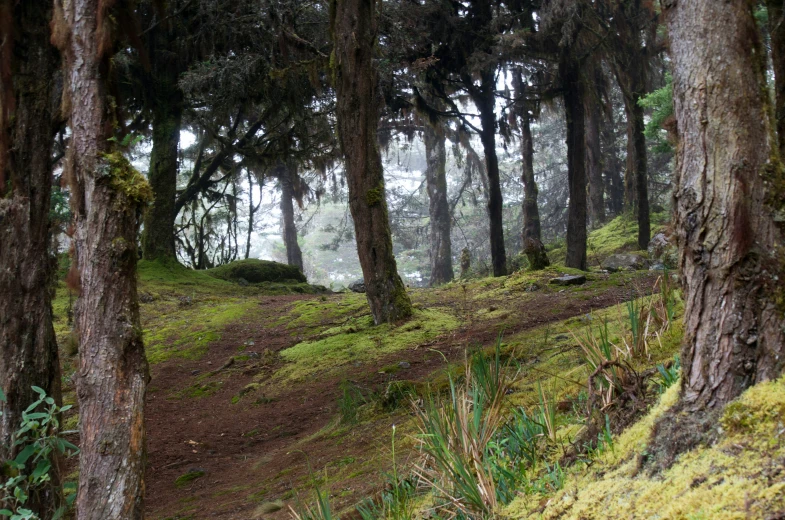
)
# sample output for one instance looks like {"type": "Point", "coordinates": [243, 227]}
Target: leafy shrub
{"type": "Point", "coordinates": [40, 442]}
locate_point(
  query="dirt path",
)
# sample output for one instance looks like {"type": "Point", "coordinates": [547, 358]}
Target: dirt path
{"type": "Point", "coordinates": [241, 448]}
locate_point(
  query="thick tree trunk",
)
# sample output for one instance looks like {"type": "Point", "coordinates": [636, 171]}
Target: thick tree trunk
{"type": "Point", "coordinates": [158, 236]}
{"type": "Point", "coordinates": [777, 32]}
{"type": "Point", "coordinates": [106, 195]}
{"type": "Point", "coordinates": [594, 159]}
{"type": "Point", "coordinates": [576, 163]}
{"type": "Point", "coordinates": [531, 237]}
{"type": "Point", "coordinates": [354, 33]}
{"type": "Point", "coordinates": [28, 351]}
{"type": "Point", "coordinates": [729, 187]}
{"type": "Point", "coordinates": [485, 99]}
{"type": "Point", "coordinates": [439, 208]}
{"type": "Point", "coordinates": [294, 255]}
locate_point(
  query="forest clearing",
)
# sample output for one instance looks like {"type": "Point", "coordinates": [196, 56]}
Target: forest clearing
{"type": "Point", "coordinates": [392, 259]}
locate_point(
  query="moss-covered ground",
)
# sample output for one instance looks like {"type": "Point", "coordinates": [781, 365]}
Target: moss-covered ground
{"type": "Point", "coordinates": [262, 394]}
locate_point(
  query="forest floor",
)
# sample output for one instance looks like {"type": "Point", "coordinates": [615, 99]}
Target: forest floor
{"type": "Point", "coordinates": [241, 429]}
{"type": "Point", "coordinates": [265, 397]}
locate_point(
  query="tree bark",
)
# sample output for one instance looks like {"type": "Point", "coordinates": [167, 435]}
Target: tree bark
{"type": "Point", "coordinates": [777, 33]}
{"type": "Point", "coordinates": [158, 236]}
{"type": "Point", "coordinates": [612, 167]}
{"type": "Point", "coordinates": [729, 187]}
{"type": "Point", "coordinates": [28, 350]}
{"type": "Point", "coordinates": [594, 158]}
{"type": "Point", "coordinates": [532, 232]}
{"type": "Point", "coordinates": [630, 62]}
{"type": "Point", "coordinates": [354, 27]}
{"type": "Point", "coordinates": [485, 99]}
{"type": "Point", "coordinates": [106, 195]}
{"type": "Point", "coordinates": [439, 208]}
{"type": "Point", "coordinates": [576, 162]}
{"type": "Point", "coordinates": [294, 255]}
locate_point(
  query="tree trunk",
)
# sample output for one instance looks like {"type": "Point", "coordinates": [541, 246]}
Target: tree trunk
{"type": "Point", "coordinates": [293, 254]}
{"type": "Point", "coordinates": [612, 167]}
{"type": "Point", "coordinates": [594, 159]}
{"type": "Point", "coordinates": [485, 99]}
{"type": "Point", "coordinates": [158, 236]}
{"type": "Point", "coordinates": [354, 33]}
{"type": "Point", "coordinates": [532, 233]}
{"type": "Point", "coordinates": [28, 350]}
{"type": "Point", "coordinates": [729, 187]}
{"type": "Point", "coordinates": [576, 162]}
{"type": "Point", "coordinates": [106, 195]}
{"type": "Point", "coordinates": [777, 32]}
{"type": "Point", "coordinates": [639, 163]}
{"type": "Point", "coordinates": [439, 208]}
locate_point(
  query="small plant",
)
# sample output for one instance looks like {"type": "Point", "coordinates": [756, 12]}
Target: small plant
{"type": "Point", "coordinates": [40, 443]}
{"type": "Point", "coordinates": [321, 511]}
{"type": "Point", "coordinates": [349, 402]}
{"type": "Point", "coordinates": [521, 437]}
{"type": "Point", "coordinates": [668, 375]}
{"type": "Point", "coordinates": [395, 502]}
{"type": "Point", "coordinates": [547, 413]}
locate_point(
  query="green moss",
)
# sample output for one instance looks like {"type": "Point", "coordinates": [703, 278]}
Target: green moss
{"type": "Point", "coordinates": [198, 390]}
{"type": "Point", "coordinates": [620, 235]}
{"type": "Point", "coordinates": [187, 478]}
{"type": "Point", "coordinates": [727, 480]}
{"type": "Point", "coordinates": [374, 196]}
{"type": "Point", "coordinates": [186, 333]}
{"type": "Point", "coordinates": [257, 271]}
{"type": "Point", "coordinates": [125, 179]}
{"type": "Point", "coordinates": [359, 341]}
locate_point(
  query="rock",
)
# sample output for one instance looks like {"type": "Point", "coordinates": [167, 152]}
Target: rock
{"type": "Point", "coordinates": [663, 250]}
{"type": "Point", "coordinates": [659, 266]}
{"type": "Point", "coordinates": [561, 337]}
{"type": "Point", "coordinates": [146, 297]}
{"type": "Point", "coordinates": [194, 372]}
{"type": "Point", "coordinates": [625, 262]}
{"type": "Point", "coordinates": [357, 286]}
{"type": "Point", "coordinates": [532, 287]}
{"type": "Point", "coordinates": [570, 279]}
{"type": "Point", "coordinates": [242, 282]}
{"type": "Point", "coordinates": [258, 271]}
{"type": "Point", "coordinates": [269, 507]}
{"type": "Point", "coordinates": [404, 364]}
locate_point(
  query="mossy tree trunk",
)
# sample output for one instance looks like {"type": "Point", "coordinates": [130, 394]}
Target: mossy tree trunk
{"type": "Point", "coordinates": [28, 350]}
{"type": "Point", "coordinates": [484, 98]}
{"type": "Point", "coordinates": [594, 161]}
{"type": "Point", "coordinates": [158, 236]}
{"type": "Point", "coordinates": [729, 187]}
{"type": "Point", "coordinates": [532, 231]}
{"type": "Point", "coordinates": [439, 207]}
{"type": "Point", "coordinates": [630, 58]}
{"type": "Point", "coordinates": [576, 160]}
{"type": "Point", "coordinates": [106, 195]}
{"type": "Point", "coordinates": [777, 33]}
{"type": "Point", "coordinates": [612, 166]}
{"type": "Point", "coordinates": [354, 27]}
{"type": "Point", "coordinates": [287, 178]}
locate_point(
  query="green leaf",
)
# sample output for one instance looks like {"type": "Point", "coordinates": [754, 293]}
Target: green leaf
{"type": "Point", "coordinates": [2, 398]}
{"type": "Point", "coordinates": [41, 469]}
{"type": "Point", "coordinates": [25, 454]}
{"type": "Point", "coordinates": [5, 512]}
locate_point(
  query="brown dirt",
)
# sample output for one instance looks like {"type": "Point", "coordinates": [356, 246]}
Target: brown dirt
{"type": "Point", "coordinates": [247, 449]}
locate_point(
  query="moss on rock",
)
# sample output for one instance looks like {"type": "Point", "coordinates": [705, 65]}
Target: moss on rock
{"type": "Point", "coordinates": [258, 271]}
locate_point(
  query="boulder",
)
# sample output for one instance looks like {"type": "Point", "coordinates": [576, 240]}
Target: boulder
{"type": "Point", "coordinates": [253, 270]}
{"type": "Point", "coordinates": [625, 262]}
{"type": "Point", "coordinates": [357, 286]}
{"type": "Point", "coordinates": [570, 279]}
{"type": "Point", "coordinates": [663, 250]}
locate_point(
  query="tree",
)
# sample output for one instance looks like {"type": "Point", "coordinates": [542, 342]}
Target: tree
{"type": "Point", "coordinates": [287, 176]}
{"type": "Point", "coordinates": [594, 163]}
{"type": "Point", "coordinates": [729, 191]}
{"type": "Point", "coordinates": [531, 236]}
{"type": "Point", "coordinates": [28, 122]}
{"type": "Point", "coordinates": [439, 207]}
{"type": "Point", "coordinates": [354, 35]}
{"type": "Point", "coordinates": [106, 196]}
{"type": "Point", "coordinates": [776, 16]}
